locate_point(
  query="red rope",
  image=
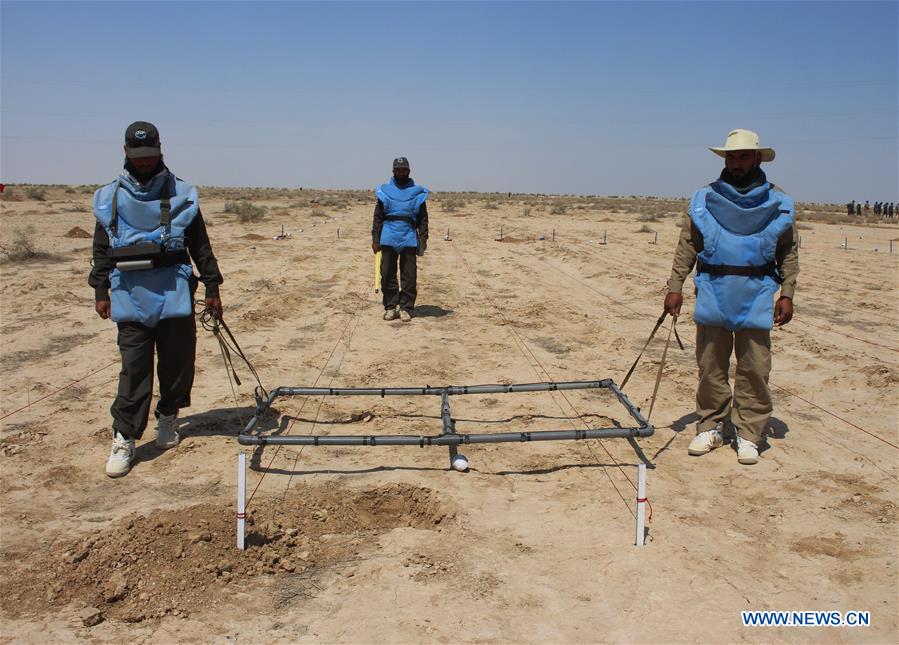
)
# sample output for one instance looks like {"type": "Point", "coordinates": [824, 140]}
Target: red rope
{"type": "Point", "coordinates": [814, 405]}
{"type": "Point", "coordinates": [293, 420]}
{"type": "Point", "coordinates": [840, 333]}
{"type": "Point", "coordinates": [525, 350]}
{"type": "Point", "coordinates": [46, 396]}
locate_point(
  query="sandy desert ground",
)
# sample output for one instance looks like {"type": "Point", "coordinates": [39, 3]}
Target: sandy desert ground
{"type": "Point", "coordinates": [385, 544]}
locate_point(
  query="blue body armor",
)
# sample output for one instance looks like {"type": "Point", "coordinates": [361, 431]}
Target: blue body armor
{"type": "Point", "coordinates": [401, 207]}
{"type": "Point", "coordinates": [152, 277]}
{"type": "Point", "coordinates": [736, 275]}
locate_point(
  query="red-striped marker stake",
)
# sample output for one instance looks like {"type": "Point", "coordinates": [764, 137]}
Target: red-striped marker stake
{"type": "Point", "coordinates": [641, 503]}
{"type": "Point", "coordinates": [241, 500]}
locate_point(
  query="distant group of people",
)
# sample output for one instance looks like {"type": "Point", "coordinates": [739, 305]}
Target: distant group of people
{"type": "Point", "coordinates": [885, 209]}
{"type": "Point", "coordinates": [739, 235]}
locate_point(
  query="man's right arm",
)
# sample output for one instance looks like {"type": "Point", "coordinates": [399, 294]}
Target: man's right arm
{"type": "Point", "coordinates": [99, 276]}
{"type": "Point", "coordinates": [377, 223]}
{"type": "Point", "coordinates": [688, 247]}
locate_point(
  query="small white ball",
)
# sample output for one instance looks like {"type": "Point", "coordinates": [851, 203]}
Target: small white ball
{"type": "Point", "coordinates": [460, 463]}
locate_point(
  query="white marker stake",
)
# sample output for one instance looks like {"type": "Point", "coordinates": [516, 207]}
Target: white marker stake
{"type": "Point", "coordinates": [641, 502]}
{"type": "Point", "coordinates": [241, 500]}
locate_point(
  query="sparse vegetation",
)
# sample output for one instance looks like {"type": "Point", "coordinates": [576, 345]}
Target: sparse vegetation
{"type": "Point", "coordinates": [649, 217]}
{"type": "Point", "coordinates": [452, 205]}
{"type": "Point", "coordinates": [245, 211]}
{"type": "Point", "coordinates": [558, 209]}
{"type": "Point", "coordinates": [526, 211]}
{"type": "Point", "coordinates": [645, 229]}
{"type": "Point", "coordinates": [491, 206]}
{"type": "Point", "coordinates": [36, 193]}
{"type": "Point", "coordinates": [23, 246]}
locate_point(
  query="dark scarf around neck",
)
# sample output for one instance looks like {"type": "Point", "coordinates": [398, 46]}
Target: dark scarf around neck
{"type": "Point", "coordinates": [143, 178]}
{"type": "Point", "coordinates": [753, 180]}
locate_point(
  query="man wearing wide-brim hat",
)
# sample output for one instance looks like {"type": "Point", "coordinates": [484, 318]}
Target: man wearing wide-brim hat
{"type": "Point", "coordinates": [741, 235]}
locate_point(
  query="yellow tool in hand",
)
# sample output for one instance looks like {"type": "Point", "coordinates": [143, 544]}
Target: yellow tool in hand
{"type": "Point", "coordinates": [377, 281]}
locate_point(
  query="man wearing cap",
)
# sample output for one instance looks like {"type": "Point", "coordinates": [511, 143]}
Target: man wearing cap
{"type": "Point", "coordinates": [399, 230]}
{"type": "Point", "coordinates": [741, 235]}
{"type": "Point", "coordinates": [149, 229]}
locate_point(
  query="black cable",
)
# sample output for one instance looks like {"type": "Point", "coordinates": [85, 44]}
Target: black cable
{"type": "Point", "coordinates": [211, 322]}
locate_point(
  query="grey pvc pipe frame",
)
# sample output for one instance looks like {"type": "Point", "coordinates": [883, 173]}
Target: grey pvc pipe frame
{"type": "Point", "coordinates": [449, 437]}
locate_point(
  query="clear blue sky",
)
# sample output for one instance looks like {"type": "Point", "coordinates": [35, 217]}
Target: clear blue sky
{"type": "Point", "coordinates": [588, 97]}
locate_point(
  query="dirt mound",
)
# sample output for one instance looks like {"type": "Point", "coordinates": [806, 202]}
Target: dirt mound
{"type": "Point", "coordinates": [254, 236]}
{"type": "Point", "coordinates": [178, 561]}
{"type": "Point", "coordinates": [880, 376]}
{"type": "Point", "coordinates": [77, 231]}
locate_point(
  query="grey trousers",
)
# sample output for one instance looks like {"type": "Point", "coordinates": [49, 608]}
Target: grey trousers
{"type": "Point", "coordinates": [175, 342]}
{"type": "Point", "coordinates": [749, 405]}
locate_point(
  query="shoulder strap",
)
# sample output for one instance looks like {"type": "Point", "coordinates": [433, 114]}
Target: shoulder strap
{"type": "Point", "coordinates": [115, 205]}
{"type": "Point", "coordinates": [165, 204]}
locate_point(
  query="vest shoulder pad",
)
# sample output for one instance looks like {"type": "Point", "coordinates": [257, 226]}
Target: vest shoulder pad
{"type": "Point", "coordinates": [103, 202]}
{"type": "Point", "coordinates": [699, 197]}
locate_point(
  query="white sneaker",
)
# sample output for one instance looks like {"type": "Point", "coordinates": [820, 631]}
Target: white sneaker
{"type": "Point", "coordinates": [120, 457]}
{"type": "Point", "coordinates": [707, 441]}
{"type": "Point", "coordinates": [391, 314]}
{"type": "Point", "coordinates": [747, 452]}
{"type": "Point", "coordinates": [405, 316]}
{"type": "Point", "coordinates": [166, 435]}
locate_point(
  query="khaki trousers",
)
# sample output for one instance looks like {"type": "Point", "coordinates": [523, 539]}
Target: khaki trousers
{"type": "Point", "coordinates": [750, 405]}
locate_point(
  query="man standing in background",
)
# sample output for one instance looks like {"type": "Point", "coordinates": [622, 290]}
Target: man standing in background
{"type": "Point", "coordinates": [399, 231]}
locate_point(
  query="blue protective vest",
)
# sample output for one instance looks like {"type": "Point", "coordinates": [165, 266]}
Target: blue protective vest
{"type": "Point", "coordinates": [401, 207]}
{"type": "Point", "coordinates": [736, 279]}
{"type": "Point", "coordinates": [132, 215]}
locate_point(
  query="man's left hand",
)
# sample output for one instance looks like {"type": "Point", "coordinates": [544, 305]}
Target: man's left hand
{"type": "Point", "coordinates": [215, 304]}
{"type": "Point", "coordinates": [783, 311]}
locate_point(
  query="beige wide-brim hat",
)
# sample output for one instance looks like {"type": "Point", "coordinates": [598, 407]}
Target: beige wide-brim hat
{"type": "Point", "coordinates": [743, 140]}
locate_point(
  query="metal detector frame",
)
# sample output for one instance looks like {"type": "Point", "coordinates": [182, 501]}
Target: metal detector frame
{"type": "Point", "coordinates": [448, 437]}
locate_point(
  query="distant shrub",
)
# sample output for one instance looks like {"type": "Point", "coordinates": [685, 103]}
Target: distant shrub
{"type": "Point", "coordinates": [491, 206]}
{"type": "Point", "coordinates": [558, 209]}
{"type": "Point", "coordinates": [526, 211]}
{"type": "Point", "coordinates": [452, 205]}
{"type": "Point", "coordinates": [23, 246]}
{"type": "Point", "coordinates": [649, 217]}
{"type": "Point", "coordinates": [36, 193]}
{"type": "Point", "coordinates": [317, 212]}
{"type": "Point", "coordinates": [645, 229]}
{"type": "Point", "coordinates": [245, 211]}
{"type": "Point", "coordinates": [332, 201]}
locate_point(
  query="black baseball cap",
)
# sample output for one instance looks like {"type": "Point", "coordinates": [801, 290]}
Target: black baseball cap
{"type": "Point", "coordinates": [401, 162]}
{"type": "Point", "coordinates": [141, 140]}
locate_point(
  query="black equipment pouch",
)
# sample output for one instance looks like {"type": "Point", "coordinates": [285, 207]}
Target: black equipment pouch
{"type": "Point", "coordinates": [146, 255]}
